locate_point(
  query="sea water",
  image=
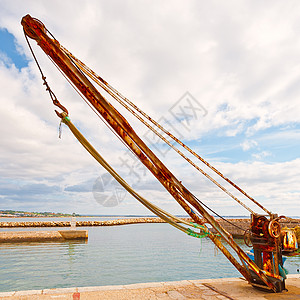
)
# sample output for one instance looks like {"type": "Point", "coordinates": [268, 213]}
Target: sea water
{"type": "Point", "coordinates": [115, 255]}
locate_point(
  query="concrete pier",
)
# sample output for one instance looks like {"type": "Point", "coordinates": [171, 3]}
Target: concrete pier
{"type": "Point", "coordinates": [206, 289]}
{"type": "Point", "coordinates": [42, 236]}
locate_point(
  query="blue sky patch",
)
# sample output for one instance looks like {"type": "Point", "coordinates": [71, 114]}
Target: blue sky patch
{"type": "Point", "coordinates": [8, 50]}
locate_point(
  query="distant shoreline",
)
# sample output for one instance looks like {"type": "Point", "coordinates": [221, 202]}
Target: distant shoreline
{"type": "Point", "coordinates": [124, 217]}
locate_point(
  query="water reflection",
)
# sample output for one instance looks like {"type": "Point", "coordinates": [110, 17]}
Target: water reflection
{"type": "Point", "coordinates": [40, 244]}
{"type": "Point", "coordinates": [115, 255]}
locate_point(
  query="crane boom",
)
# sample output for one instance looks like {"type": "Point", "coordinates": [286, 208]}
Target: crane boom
{"type": "Point", "coordinates": [252, 271]}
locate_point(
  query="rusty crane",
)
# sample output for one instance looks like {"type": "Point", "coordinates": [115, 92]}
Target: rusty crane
{"type": "Point", "coordinates": [265, 269]}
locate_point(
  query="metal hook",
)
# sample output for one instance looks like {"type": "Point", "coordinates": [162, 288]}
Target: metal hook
{"type": "Point", "coordinates": [64, 110]}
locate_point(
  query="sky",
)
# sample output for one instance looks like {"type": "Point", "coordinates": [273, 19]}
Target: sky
{"type": "Point", "coordinates": [223, 76]}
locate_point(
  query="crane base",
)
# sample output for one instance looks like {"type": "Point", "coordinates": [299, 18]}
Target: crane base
{"type": "Point", "coordinates": [259, 284]}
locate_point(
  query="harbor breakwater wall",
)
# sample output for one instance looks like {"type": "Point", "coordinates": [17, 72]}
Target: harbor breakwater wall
{"type": "Point", "coordinates": [80, 223]}
{"type": "Point", "coordinates": [236, 227]}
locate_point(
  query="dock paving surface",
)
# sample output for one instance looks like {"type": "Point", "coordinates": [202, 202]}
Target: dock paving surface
{"type": "Point", "coordinates": [206, 289]}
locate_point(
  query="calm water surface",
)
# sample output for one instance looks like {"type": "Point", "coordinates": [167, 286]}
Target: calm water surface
{"type": "Point", "coordinates": [115, 255]}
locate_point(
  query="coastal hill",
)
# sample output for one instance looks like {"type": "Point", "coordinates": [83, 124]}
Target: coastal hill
{"type": "Point", "coordinates": [15, 213]}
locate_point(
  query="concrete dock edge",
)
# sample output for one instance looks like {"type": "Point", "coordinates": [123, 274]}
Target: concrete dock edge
{"type": "Point", "coordinates": [42, 236]}
{"type": "Point", "coordinates": [204, 289]}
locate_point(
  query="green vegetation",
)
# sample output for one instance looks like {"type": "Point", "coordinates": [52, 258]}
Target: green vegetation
{"type": "Point", "coordinates": [15, 213]}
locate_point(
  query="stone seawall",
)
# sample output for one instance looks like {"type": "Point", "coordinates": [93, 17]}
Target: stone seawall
{"type": "Point", "coordinates": [80, 223]}
{"type": "Point", "coordinates": [236, 227]}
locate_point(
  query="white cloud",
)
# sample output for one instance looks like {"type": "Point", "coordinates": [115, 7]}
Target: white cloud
{"type": "Point", "coordinates": [240, 60]}
{"type": "Point", "coordinates": [248, 144]}
{"type": "Point", "coordinates": [261, 155]}
{"type": "Point", "coordinates": [4, 59]}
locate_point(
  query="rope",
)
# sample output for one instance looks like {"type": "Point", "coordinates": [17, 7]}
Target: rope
{"type": "Point", "coordinates": [48, 89]}
{"type": "Point", "coordinates": [169, 218]}
{"type": "Point", "coordinates": [65, 113]}
{"type": "Point", "coordinates": [117, 96]}
{"type": "Point", "coordinates": [171, 145]}
{"type": "Point", "coordinates": [95, 77]}
{"type": "Point", "coordinates": [218, 215]}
